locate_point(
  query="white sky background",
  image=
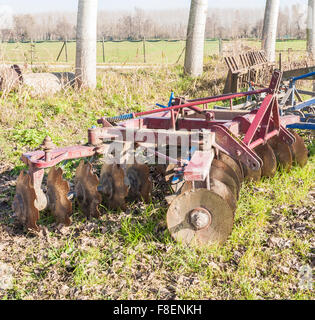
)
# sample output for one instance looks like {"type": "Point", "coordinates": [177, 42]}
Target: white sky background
{"type": "Point", "coordinates": [35, 6]}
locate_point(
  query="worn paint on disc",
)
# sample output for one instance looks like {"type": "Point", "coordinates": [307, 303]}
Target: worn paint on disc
{"type": "Point", "coordinates": [24, 202]}
{"type": "Point", "coordinates": [86, 184]}
{"type": "Point", "coordinates": [268, 157]}
{"type": "Point", "coordinates": [57, 193]}
{"type": "Point", "coordinates": [179, 218]}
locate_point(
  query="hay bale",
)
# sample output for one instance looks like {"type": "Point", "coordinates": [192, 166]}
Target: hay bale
{"type": "Point", "coordinates": [48, 83]}
{"type": "Point", "coordinates": [12, 78]}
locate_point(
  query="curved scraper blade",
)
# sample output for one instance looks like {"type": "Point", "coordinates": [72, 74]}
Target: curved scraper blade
{"type": "Point", "coordinates": [86, 184]}
{"type": "Point", "coordinates": [268, 157]}
{"type": "Point", "coordinates": [299, 150]}
{"type": "Point", "coordinates": [251, 175]}
{"type": "Point", "coordinates": [282, 152]}
{"type": "Point", "coordinates": [235, 165]}
{"type": "Point", "coordinates": [113, 186]}
{"type": "Point", "coordinates": [220, 164]}
{"type": "Point", "coordinates": [220, 172]}
{"type": "Point", "coordinates": [57, 192]}
{"type": "Point", "coordinates": [140, 182]}
{"type": "Point", "coordinates": [220, 222]}
{"type": "Point", "coordinates": [24, 202]}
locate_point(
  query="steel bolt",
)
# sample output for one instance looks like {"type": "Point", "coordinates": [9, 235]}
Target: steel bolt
{"type": "Point", "coordinates": [47, 146]}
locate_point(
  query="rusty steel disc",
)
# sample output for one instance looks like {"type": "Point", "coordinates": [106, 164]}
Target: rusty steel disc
{"type": "Point", "coordinates": [200, 217]}
{"type": "Point", "coordinates": [24, 202]}
{"type": "Point", "coordinates": [113, 186]}
{"type": "Point", "coordinates": [57, 193]}
{"type": "Point", "coordinates": [282, 152]}
{"type": "Point", "coordinates": [251, 175]}
{"type": "Point", "coordinates": [269, 159]}
{"type": "Point", "coordinates": [220, 164]}
{"type": "Point", "coordinates": [140, 183]}
{"type": "Point", "coordinates": [218, 173]}
{"type": "Point", "coordinates": [217, 187]}
{"type": "Point", "coordinates": [235, 165]}
{"type": "Point", "coordinates": [86, 184]}
{"type": "Point", "coordinates": [299, 150]}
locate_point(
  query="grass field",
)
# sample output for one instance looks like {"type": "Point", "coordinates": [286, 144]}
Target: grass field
{"type": "Point", "coordinates": [130, 254]}
{"type": "Point", "coordinates": [163, 52]}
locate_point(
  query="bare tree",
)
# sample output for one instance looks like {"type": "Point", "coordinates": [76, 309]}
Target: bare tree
{"type": "Point", "coordinates": [311, 28]}
{"type": "Point", "coordinates": [25, 27]}
{"type": "Point", "coordinates": [269, 36]}
{"type": "Point", "coordinates": [86, 44]}
{"type": "Point", "coordinates": [64, 30]}
{"type": "Point", "coordinates": [226, 23]}
{"type": "Point", "coordinates": [196, 37]}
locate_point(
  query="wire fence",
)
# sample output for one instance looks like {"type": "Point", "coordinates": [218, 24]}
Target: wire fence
{"type": "Point", "coordinates": [127, 52]}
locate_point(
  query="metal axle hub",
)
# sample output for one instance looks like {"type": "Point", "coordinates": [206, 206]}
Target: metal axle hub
{"type": "Point", "coordinates": [200, 218]}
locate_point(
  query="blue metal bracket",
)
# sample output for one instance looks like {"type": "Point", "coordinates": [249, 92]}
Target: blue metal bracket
{"type": "Point", "coordinates": [172, 97]}
{"type": "Point", "coordinates": [302, 126]}
{"type": "Point", "coordinates": [177, 177]}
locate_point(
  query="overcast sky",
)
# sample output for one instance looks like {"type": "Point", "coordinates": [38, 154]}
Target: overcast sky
{"type": "Point", "coordinates": [34, 6]}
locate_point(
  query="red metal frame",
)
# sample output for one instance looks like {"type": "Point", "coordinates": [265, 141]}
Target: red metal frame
{"type": "Point", "coordinates": [257, 128]}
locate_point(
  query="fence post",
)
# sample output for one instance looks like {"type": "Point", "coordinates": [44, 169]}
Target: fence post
{"type": "Point", "coordinates": [66, 50]}
{"type": "Point", "coordinates": [32, 52]}
{"type": "Point", "coordinates": [103, 46]}
{"type": "Point", "coordinates": [61, 51]}
{"type": "Point", "coordinates": [181, 54]}
{"type": "Point", "coordinates": [220, 48]}
{"type": "Point", "coordinates": [144, 51]}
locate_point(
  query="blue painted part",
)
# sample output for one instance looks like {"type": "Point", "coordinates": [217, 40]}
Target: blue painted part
{"type": "Point", "coordinates": [307, 75]}
{"type": "Point", "coordinates": [249, 98]}
{"type": "Point", "coordinates": [176, 178]}
{"type": "Point", "coordinates": [302, 126]}
{"type": "Point", "coordinates": [121, 118]}
{"type": "Point", "coordinates": [161, 106]}
{"type": "Point", "coordinates": [303, 105]}
{"type": "Point", "coordinates": [292, 85]}
{"type": "Point", "coordinates": [172, 97]}
{"type": "Point", "coordinates": [309, 115]}
{"type": "Point", "coordinates": [308, 119]}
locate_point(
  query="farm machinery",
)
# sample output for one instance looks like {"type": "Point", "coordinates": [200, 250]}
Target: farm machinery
{"type": "Point", "coordinates": [292, 103]}
{"type": "Point", "coordinates": [204, 154]}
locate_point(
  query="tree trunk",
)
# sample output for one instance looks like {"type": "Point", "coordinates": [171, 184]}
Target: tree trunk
{"type": "Point", "coordinates": [269, 36]}
{"type": "Point", "coordinates": [86, 44]}
{"type": "Point", "coordinates": [311, 29]}
{"type": "Point", "coordinates": [196, 37]}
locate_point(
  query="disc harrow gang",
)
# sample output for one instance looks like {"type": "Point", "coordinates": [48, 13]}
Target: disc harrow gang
{"type": "Point", "coordinates": [216, 152]}
{"type": "Point", "coordinates": [58, 196]}
{"type": "Point", "coordinates": [86, 183]}
{"type": "Point", "coordinates": [24, 202]}
{"type": "Point", "coordinates": [112, 186]}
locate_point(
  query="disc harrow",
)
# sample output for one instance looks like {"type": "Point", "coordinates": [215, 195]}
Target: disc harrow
{"type": "Point", "coordinates": [204, 154]}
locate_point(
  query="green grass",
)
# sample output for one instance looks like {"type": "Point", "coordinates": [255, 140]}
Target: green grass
{"type": "Point", "coordinates": [125, 52]}
{"type": "Point", "coordinates": [131, 255]}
